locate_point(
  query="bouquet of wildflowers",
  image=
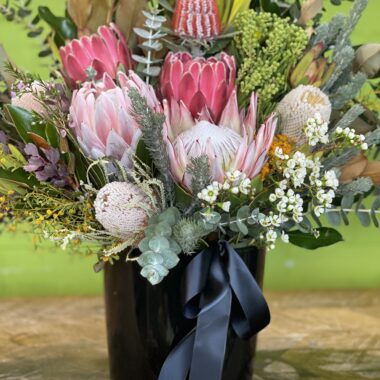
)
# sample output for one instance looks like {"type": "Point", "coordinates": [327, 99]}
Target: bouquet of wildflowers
{"type": "Point", "coordinates": [167, 123]}
{"type": "Point", "coordinates": [169, 128]}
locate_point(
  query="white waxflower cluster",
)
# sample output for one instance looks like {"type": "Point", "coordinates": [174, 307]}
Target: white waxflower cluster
{"type": "Point", "coordinates": [300, 173]}
{"type": "Point", "coordinates": [235, 182]}
{"type": "Point", "coordinates": [349, 137]}
{"type": "Point", "coordinates": [316, 130]}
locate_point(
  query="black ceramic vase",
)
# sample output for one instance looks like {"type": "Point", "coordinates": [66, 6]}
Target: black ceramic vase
{"type": "Point", "coordinates": [144, 322]}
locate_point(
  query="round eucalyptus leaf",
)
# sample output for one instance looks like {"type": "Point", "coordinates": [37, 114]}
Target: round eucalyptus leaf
{"type": "Point", "coordinates": [159, 244]}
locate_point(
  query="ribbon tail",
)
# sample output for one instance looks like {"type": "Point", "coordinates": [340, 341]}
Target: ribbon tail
{"type": "Point", "coordinates": [177, 363]}
{"type": "Point", "coordinates": [210, 340]}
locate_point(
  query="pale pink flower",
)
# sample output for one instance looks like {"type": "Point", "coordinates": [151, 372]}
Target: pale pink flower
{"type": "Point", "coordinates": [203, 85]}
{"type": "Point", "coordinates": [100, 114]}
{"type": "Point", "coordinates": [28, 98]}
{"type": "Point", "coordinates": [100, 53]}
{"type": "Point", "coordinates": [233, 144]}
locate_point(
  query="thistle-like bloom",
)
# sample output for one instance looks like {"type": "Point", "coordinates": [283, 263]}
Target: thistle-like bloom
{"type": "Point", "coordinates": [100, 116]}
{"type": "Point", "coordinates": [232, 144]}
{"type": "Point", "coordinates": [197, 19]}
{"type": "Point", "coordinates": [91, 57]}
{"type": "Point", "coordinates": [203, 85]}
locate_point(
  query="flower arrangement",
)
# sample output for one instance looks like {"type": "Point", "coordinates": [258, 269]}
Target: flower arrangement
{"type": "Point", "coordinates": [207, 121]}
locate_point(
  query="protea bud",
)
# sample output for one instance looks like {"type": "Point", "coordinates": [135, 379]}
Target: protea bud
{"type": "Point", "coordinates": [298, 106]}
{"type": "Point", "coordinates": [203, 85]}
{"type": "Point", "coordinates": [313, 68]}
{"type": "Point", "coordinates": [197, 19]}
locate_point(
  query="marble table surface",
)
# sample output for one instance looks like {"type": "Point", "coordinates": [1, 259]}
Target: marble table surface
{"type": "Point", "coordinates": [313, 336]}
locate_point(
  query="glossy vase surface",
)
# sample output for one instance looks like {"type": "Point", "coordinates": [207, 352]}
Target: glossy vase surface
{"type": "Point", "coordinates": [144, 322]}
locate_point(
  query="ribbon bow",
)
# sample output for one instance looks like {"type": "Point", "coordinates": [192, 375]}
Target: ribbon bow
{"type": "Point", "coordinates": [220, 290]}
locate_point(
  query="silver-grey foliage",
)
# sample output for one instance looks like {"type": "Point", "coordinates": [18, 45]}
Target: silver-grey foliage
{"type": "Point", "coordinates": [151, 124]}
{"type": "Point", "coordinates": [349, 117]}
{"type": "Point", "coordinates": [359, 186]}
{"type": "Point", "coordinates": [199, 170]}
{"type": "Point", "coordinates": [187, 233]}
{"type": "Point", "coordinates": [151, 33]}
{"type": "Point", "coordinates": [343, 38]}
{"type": "Point", "coordinates": [348, 91]}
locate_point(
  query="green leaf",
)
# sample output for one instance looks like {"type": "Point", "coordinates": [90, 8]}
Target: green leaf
{"type": "Point", "coordinates": [22, 120]}
{"type": "Point", "coordinates": [63, 27]}
{"type": "Point", "coordinates": [327, 236]}
{"type": "Point", "coordinates": [182, 197]}
{"type": "Point", "coordinates": [18, 177]}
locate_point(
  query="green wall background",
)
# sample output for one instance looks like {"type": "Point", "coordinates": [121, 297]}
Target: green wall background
{"type": "Point", "coordinates": [24, 271]}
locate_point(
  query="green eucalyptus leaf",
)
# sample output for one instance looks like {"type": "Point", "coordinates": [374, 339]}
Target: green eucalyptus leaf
{"type": "Point", "coordinates": [334, 218]}
{"type": "Point", "coordinates": [374, 218]}
{"type": "Point", "coordinates": [344, 218]}
{"type": "Point", "coordinates": [154, 273]}
{"type": "Point", "coordinates": [159, 244]}
{"type": "Point", "coordinates": [171, 216]}
{"type": "Point", "coordinates": [364, 218]}
{"type": "Point", "coordinates": [144, 244]}
{"type": "Point", "coordinates": [347, 201]}
{"type": "Point", "coordinates": [163, 229]}
{"type": "Point", "coordinates": [243, 212]}
{"type": "Point", "coordinates": [175, 247]}
{"type": "Point", "coordinates": [327, 236]}
{"type": "Point", "coordinates": [170, 259]}
{"type": "Point", "coordinates": [150, 258]}
{"type": "Point", "coordinates": [242, 227]}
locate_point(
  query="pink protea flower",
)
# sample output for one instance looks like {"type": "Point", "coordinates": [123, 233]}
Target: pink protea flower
{"type": "Point", "coordinates": [203, 85]}
{"type": "Point", "coordinates": [100, 116]}
{"type": "Point", "coordinates": [197, 19]}
{"type": "Point", "coordinates": [232, 144]}
{"type": "Point", "coordinates": [97, 54]}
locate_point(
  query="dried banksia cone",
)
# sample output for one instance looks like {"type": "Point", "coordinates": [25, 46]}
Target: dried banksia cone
{"type": "Point", "coordinates": [121, 208]}
{"type": "Point", "coordinates": [197, 19]}
{"type": "Point", "coordinates": [298, 106]}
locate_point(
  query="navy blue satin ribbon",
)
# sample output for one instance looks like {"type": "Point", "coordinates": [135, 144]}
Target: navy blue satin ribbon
{"type": "Point", "coordinates": [220, 291]}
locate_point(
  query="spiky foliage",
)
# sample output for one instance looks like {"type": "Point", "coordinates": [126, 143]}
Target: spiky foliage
{"type": "Point", "coordinates": [188, 232]}
{"type": "Point", "coordinates": [200, 173]}
{"type": "Point", "coordinates": [327, 33]}
{"type": "Point", "coordinates": [151, 124]}
{"type": "Point", "coordinates": [267, 46]}
{"type": "Point", "coordinates": [343, 38]}
{"type": "Point", "coordinates": [152, 34]}
{"type": "Point", "coordinates": [345, 93]}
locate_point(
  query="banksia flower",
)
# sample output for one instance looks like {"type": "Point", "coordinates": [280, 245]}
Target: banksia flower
{"type": "Point", "coordinates": [198, 19]}
{"type": "Point", "coordinates": [120, 207]}
{"type": "Point", "coordinates": [100, 115]}
{"type": "Point", "coordinates": [203, 85]}
{"type": "Point", "coordinates": [232, 144]}
{"type": "Point", "coordinates": [91, 57]}
{"type": "Point", "coordinates": [298, 106]}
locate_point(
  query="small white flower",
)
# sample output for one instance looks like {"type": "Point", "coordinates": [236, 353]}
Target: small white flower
{"type": "Point", "coordinates": [364, 146]}
{"type": "Point", "coordinates": [272, 197]}
{"type": "Point", "coordinates": [271, 236]}
{"type": "Point", "coordinates": [225, 206]}
{"type": "Point", "coordinates": [284, 237]}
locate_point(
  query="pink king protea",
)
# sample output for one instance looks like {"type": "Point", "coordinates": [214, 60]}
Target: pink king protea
{"type": "Point", "coordinates": [203, 85]}
{"type": "Point", "coordinates": [97, 54]}
{"type": "Point", "coordinates": [101, 119]}
{"type": "Point", "coordinates": [232, 144]}
{"type": "Point", "coordinates": [197, 19]}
